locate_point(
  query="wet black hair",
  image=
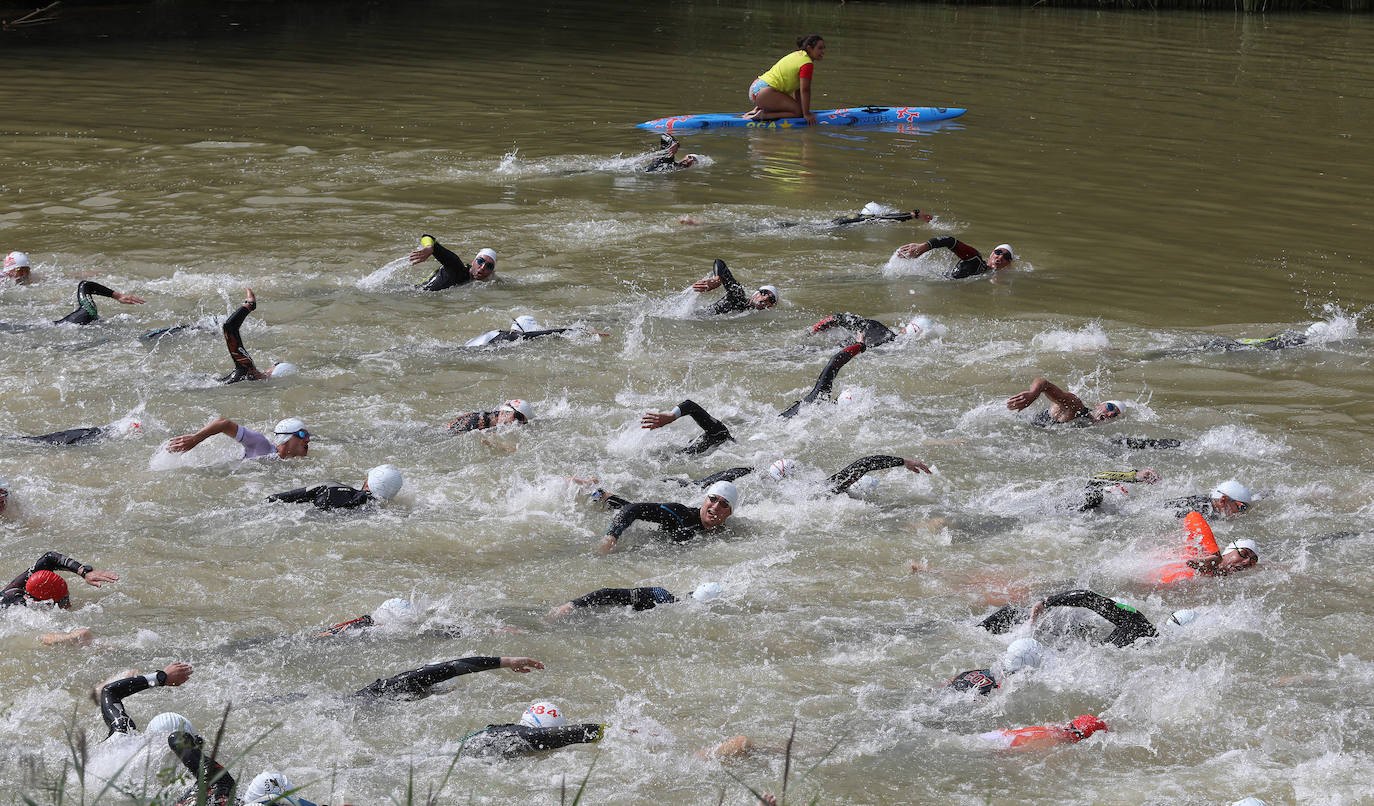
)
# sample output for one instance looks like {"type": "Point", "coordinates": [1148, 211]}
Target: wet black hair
{"type": "Point", "coordinates": [804, 42]}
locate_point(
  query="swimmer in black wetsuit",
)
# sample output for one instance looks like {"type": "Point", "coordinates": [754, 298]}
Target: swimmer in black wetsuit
{"type": "Point", "coordinates": [85, 312]}
{"type": "Point", "coordinates": [214, 785]}
{"type": "Point", "coordinates": [715, 431]}
{"type": "Point", "coordinates": [71, 436]}
{"type": "Point", "coordinates": [382, 483]}
{"type": "Point", "coordinates": [971, 263]}
{"type": "Point", "coordinates": [663, 161]}
{"type": "Point", "coordinates": [111, 695]}
{"type": "Point", "coordinates": [1023, 653]}
{"type": "Point", "coordinates": [417, 683]}
{"type": "Point", "coordinates": [542, 727]}
{"type": "Point", "coordinates": [637, 599]}
{"type": "Point", "coordinates": [527, 327]}
{"type": "Point", "coordinates": [244, 370]}
{"type": "Point", "coordinates": [736, 298]}
{"type": "Point", "coordinates": [1065, 407]}
{"type": "Point", "coordinates": [452, 270]}
{"type": "Point", "coordinates": [1129, 624]}
{"type": "Point", "coordinates": [677, 522]}
{"type": "Point", "coordinates": [1229, 499]}
{"type": "Point", "coordinates": [1100, 483]}
{"type": "Point", "coordinates": [868, 333]}
{"type": "Point", "coordinates": [864, 217]}
{"type": "Point", "coordinates": [512, 411]}
{"type": "Point", "coordinates": [1278, 341]}
{"type": "Point", "coordinates": [40, 582]}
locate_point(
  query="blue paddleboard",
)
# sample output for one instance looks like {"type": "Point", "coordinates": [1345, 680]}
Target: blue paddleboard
{"type": "Point", "coordinates": [850, 116]}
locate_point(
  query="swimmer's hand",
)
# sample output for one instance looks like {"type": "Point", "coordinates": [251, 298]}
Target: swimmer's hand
{"type": "Point", "coordinates": [128, 299]}
{"type": "Point", "coordinates": [521, 665]}
{"type": "Point", "coordinates": [560, 612]}
{"type": "Point", "coordinates": [913, 250]}
{"type": "Point", "coordinates": [688, 220]}
{"type": "Point", "coordinates": [1036, 611]}
{"type": "Point", "coordinates": [656, 419]}
{"type": "Point", "coordinates": [421, 255]}
{"type": "Point", "coordinates": [249, 298]}
{"type": "Point", "coordinates": [706, 284]}
{"type": "Point", "coordinates": [607, 545]}
{"type": "Point", "coordinates": [1147, 476]}
{"type": "Point", "coordinates": [95, 577]}
{"type": "Point", "coordinates": [177, 673]}
{"type": "Point", "coordinates": [1021, 400]}
{"type": "Point", "coordinates": [915, 466]}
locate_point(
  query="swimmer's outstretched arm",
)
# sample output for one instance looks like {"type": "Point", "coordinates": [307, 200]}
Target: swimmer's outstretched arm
{"type": "Point", "coordinates": [112, 694]}
{"type": "Point", "coordinates": [186, 442]}
{"type": "Point", "coordinates": [418, 682]}
{"type": "Point", "coordinates": [1130, 623]}
{"type": "Point", "coordinates": [452, 270]}
{"type": "Point", "coordinates": [244, 370]}
{"type": "Point", "coordinates": [715, 430]}
{"type": "Point", "coordinates": [844, 479]}
{"type": "Point", "coordinates": [1063, 401]}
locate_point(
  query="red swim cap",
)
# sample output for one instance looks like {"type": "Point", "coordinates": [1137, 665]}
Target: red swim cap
{"type": "Point", "coordinates": [1087, 725]}
{"type": "Point", "coordinates": [45, 585]}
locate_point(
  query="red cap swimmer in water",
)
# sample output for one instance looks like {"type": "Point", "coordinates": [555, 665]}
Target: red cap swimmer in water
{"type": "Point", "coordinates": [1040, 736]}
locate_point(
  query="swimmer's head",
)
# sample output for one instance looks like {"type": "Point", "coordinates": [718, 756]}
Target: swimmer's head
{"type": "Point", "coordinates": [781, 469]}
{"type": "Point", "coordinates": [283, 369]}
{"type": "Point", "coordinates": [484, 265]}
{"type": "Point", "coordinates": [916, 326]}
{"type": "Point", "coordinates": [848, 396]}
{"type": "Point", "coordinates": [1109, 410]}
{"type": "Point", "coordinates": [1086, 725]}
{"type": "Point", "coordinates": [765, 297]}
{"type": "Point", "coordinates": [1023, 653]}
{"type": "Point", "coordinates": [522, 409]}
{"type": "Point", "coordinates": [873, 208]}
{"type": "Point", "coordinates": [16, 260]}
{"type": "Point", "coordinates": [706, 591]}
{"type": "Point", "coordinates": [543, 715]}
{"type": "Point", "coordinates": [167, 723]}
{"type": "Point", "coordinates": [690, 160]}
{"type": "Point", "coordinates": [1317, 331]}
{"type": "Point", "coordinates": [384, 481]}
{"type": "Point", "coordinates": [1001, 257]}
{"type": "Point", "coordinates": [1181, 618]}
{"type": "Point", "coordinates": [289, 429]}
{"type": "Point", "coordinates": [1250, 802]}
{"type": "Point", "coordinates": [268, 785]}
{"type": "Point", "coordinates": [1231, 498]}
{"type": "Point", "coordinates": [1238, 555]}
{"type": "Point", "coordinates": [394, 611]}
{"type": "Point", "coordinates": [721, 500]}
{"type": "Point", "coordinates": [47, 586]}
{"type": "Point", "coordinates": [526, 323]}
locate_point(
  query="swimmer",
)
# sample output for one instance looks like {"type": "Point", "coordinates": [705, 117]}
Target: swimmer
{"type": "Point", "coordinates": [677, 522]}
{"type": "Point", "coordinates": [868, 333]}
{"type": "Point", "coordinates": [526, 327]}
{"type": "Point", "coordinates": [1129, 624]}
{"type": "Point", "coordinates": [785, 90]}
{"type": "Point", "coordinates": [512, 411]}
{"type": "Point", "coordinates": [244, 370]}
{"type": "Point", "coordinates": [1229, 499]}
{"type": "Point", "coordinates": [417, 683]}
{"type": "Point", "coordinates": [1109, 480]}
{"type": "Point", "coordinates": [382, 484]}
{"type": "Point", "coordinates": [392, 611]}
{"type": "Point", "coordinates": [663, 161]}
{"type": "Point", "coordinates": [17, 268]}
{"type": "Point", "coordinates": [290, 439]}
{"type": "Point", "coordinates": [1065, 407]}
{"type": "Point", "coordinates": [736, 298]}
{"type": "Point", "coordinates": [1147, 443]}
{"type": "Point", "coordinates": [71, 436]}
{"type": "Point", "coordinates": [873, 212]}
{"type": "Point", "coordinates": [542, 727]}
{"type": "Point", "coordinates": [714, 431]}
{"type": "Point", "coordinates": [637, 599]}
{"type": "Point", "coordinates": [214, 785]}
{"type": "Point", "coordinates": [1023, 653]}
{"type": "Point", "coordinates": [85, 312]}
{"type": "Point", "coordinates": [110, 696]}
{"type": "Point", "coordinates": [1279, 341]}
{"type": "Point", "coordinates": [970, 263]}
{"type": "Point", "coordinates": [41, 583]}
{"type": "Point", "coordinates": [452, 270]}
{"type": "Point", "coordinates": [1043, 736]}
{"type": "Point", "coordinates": [1237, 555]}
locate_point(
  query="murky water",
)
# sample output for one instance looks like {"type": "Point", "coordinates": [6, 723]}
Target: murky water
{"type": "Point", "coordinates": [1165, 179]}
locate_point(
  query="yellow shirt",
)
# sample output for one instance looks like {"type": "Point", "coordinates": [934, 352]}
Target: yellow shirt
{"type": "Point", "coordinates": [785, 75]}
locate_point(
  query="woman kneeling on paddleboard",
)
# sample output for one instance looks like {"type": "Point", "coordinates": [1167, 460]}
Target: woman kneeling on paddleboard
{"type": "Point", "coordinates": [785, 90]}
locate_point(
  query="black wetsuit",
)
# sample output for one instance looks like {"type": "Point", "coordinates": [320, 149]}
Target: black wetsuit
{"type": "Point", "coordinates": [1147, 443]}
{"type": "Point", "coordinates": [1098, 485]}
{"type": "Point", "coordinates": [244, 370]}
{"type": "Point", "coordinates": [980, 680]}
{"type": "Point", "coordinates": [826, 382]}
{"type": "Point", "coordinates": [677, 522]}
{"type": "Point", "coordinates": [71, 436]}
{"type": "Point", "coordinates": [1278, 341]}
{"type": "Point", "coordinates": [1081, 419]}
{"type": "Point", "coordinates": [515, 740]}
{"type": "Point", "coordinates": [452, 270]}
{"type": "Point", "coordinates": [613, 501]}
{"type": "Point", "coordinates": [735, 299]}
{"type": "Point", "coordinates": [521, 335]}
{"type": "Point", "coordinates": [473, 421]}
{"type": "Point", "coordinates": [416, 683]}
{"type": "Point", "coordinates": [636, 598]}
{"type": "Point", "coordinates": [52, 561]}
{"type": "Point", "coordinates": [971, 263]}
{"type": "Point", "coordinates": [844, 479]}
{"type": "Point", "coordinates": [859, 218]}
{"type": "Point", "coordinates": [112, 696]}
{"type": "Point", "coordinates": [325, 496]}
{"type": "Point", "coordinates": [85, 312]}
{"type": "Point", "coordinates": [874, 332]}
{"type": "Point", "coordinates": [214, 785]}
{"type": "Point", "coordinates": [663, 162]}
{"type": "Point", "coordinates": [715, 431]}
{"type": "Point", "coordinates": [1194, 503]}
{"type": "Point", "coordinates": [1129, 623]}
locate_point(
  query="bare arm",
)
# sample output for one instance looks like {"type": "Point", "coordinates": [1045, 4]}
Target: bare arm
{"type": "Point", "coordinates": [804, 100]}
{"type": "Point", "coordinates": [186, 442]}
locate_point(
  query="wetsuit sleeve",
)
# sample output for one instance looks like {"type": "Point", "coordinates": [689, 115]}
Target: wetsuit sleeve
{"type": "Point", "coordinates": [91, 288]}
{"type": "Point", "coordinates": [112, 701]}
{"type": "Point", "coordinates": [417, 682]}
{"type": "Point", "coordinates": [842, 480]}
{"type": "Point", "coordinates": [71, 436]}
{"type": "Point", "coordinates": [1130, 624]}
{"type": "Point", "coordinates": [676, 519]}
{"type": "Point", "coordinates": [736, 298]}
{"type": "Point", "coordinates": [1003, 620]}
{"type": "Point", "coordinates": [637, 598]}
{"type": "Point", "coordinates": [534, 334]}
{"type": "Point", "coordinates": [212, 779]}
{"type": "Point", "coordinates": [1190, 503]}
{"type": "Point", "coordinates": [730, 474]}
{"type": "Point", "coordinates": [473, 421]}
{"type": "Point", "coordinates": [554, 738]}
{"type": "Point", "coordinates": [243, 362]}
{"type": "Point", "coordinates": [826, 381]}
{"type": "Point", "coordinates": [51, 561]}
{"type": "Point", "coordinates": [715, 431]}
{"type": "Point", "coordinates": [1146, 443]}
{"type": "Point", "coordinates": [297, 496]}
{"type": "Point", "coordinates": [452, 270]}
{"type": "Point", "coordinates": [970, 261]}
{"type": "Point", "coordinates": [86, 312]}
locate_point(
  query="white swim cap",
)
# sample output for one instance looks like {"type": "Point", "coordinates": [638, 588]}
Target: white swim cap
{"type": "Point", "coordinates": [1250, 802]}
{"type": "Point", "coordinates": [872, 208]}
{"type": "Point", "coordinates": [167, 723]}
{"type": "Point", "coordinates": [1119, 404]}
{"type": "Point", "coordinates": [916, 325]}
{"type": "Point", "coordinates": [847, 396]}
{"type": "Point", "coordinates": [522, 408]}
{"type": "Point", "coordinates": [1007, 247]}
{"type": "Point", "coordinates": [526, 323]}
{"type": "Point", "coordinates": [1233, 490]}
{"type": "Point", "coordinates": [483, 340]}
{"type": "Point", "coordinates": [780, 470]}
{"type": "Point", "coordinates": [725, 490]}
{"type": "Point", "coordinates": [706, 591]}
{"type": "Point", "coordinates": [543, 715]}
{"type": "Point", "coordinates": [286, 429]}
{"type": "Point", "coordinates": [1243, 543]}
{"type": "Point", "coordinates": [770, 289]}
{"type": "Point", "coordinates": [1318, 331]}
{"type": "Point", "coordinates": [267, 785]}
{"type": "Point", "coordinates": [1021, 654]}
{"type": "Point", "coordinates": [394, 610]}
{"type": "Point", "coordinates": [285, 369]}
{"type": "Point", "coordinates": [17, 260]}
{"type": "Point", "coordinates": [384, 481]}
{"type": "Point", "coordinates": [1182, 618]}
{"type": "Point", "coordinates": [487, 253]}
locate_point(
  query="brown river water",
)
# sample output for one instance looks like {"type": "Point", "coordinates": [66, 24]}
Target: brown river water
{"type": "Point", "coordinates": [1165, 178]}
